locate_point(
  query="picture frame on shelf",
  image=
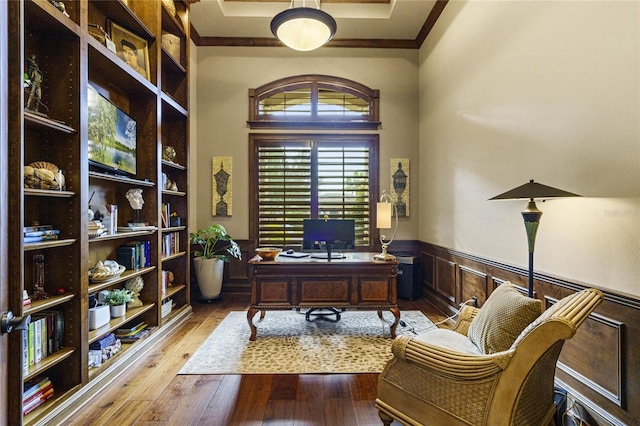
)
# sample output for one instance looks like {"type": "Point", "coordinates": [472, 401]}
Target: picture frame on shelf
{"type": "Point", "coordinates": [132, 49]}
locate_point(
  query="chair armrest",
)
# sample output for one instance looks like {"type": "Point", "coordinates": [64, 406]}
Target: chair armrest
{"type": "Point", "coordinates": [458, 365]}
{"type": "Point", "coordinates": [466, 316]}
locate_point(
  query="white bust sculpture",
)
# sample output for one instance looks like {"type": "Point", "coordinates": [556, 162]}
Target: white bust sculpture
{"type": "Point", "coordinates": [135, 198]}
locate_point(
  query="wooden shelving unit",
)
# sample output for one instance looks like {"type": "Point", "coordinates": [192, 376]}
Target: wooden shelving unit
{"type": "Point", "coordinates": [70, 60]}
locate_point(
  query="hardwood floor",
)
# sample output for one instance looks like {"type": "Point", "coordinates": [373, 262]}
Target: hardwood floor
{"type": "Point", "coordinates": [155, 394]}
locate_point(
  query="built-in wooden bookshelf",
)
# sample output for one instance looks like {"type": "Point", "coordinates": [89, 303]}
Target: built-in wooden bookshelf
{"type": "Point", "coordinates": [71, 54]}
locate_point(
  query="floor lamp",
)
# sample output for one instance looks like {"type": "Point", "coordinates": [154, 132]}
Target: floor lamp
{"type": "Point", "coordinates": [532, 214]}
{"type": "Point", "coordinates": [384, 213]}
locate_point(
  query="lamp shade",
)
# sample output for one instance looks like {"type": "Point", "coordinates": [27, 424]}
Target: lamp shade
{"type": "Point", "coordinates": [384, 215]}
{"type": "Point", "coordinates": [533, 190]}
{"type": "Point", "coordinates": [303, 28]}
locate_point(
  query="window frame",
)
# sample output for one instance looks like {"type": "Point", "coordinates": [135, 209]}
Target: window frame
{"type": "Point", "coordinates": [315, 83]}
{"type": "Point", "coordinates": [256, 139]}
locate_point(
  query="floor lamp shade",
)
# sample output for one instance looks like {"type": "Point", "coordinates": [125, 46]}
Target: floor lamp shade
{"type": "Point", "coordinates": [531, 214]}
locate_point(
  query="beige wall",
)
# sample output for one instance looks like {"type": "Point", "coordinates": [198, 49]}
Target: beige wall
{"type": "Point", "coordinates": [512, 91]}
{"type": "Point", "coordinates": [224, 76]}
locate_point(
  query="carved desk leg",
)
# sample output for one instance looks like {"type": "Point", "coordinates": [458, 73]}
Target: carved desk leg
{"type": "Point", "coordinates": [250, 313]}
{"type": "Point", "coordinates": [396, 314]}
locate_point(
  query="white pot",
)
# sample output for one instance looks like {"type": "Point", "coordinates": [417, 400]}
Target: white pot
{"type": "Point", "coordinates": [209, 274]}
{"type": "Point", "coordinates": [118, 311]}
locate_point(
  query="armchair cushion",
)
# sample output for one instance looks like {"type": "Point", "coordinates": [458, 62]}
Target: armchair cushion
{"type": "Point", "coordinates": [502, 318]}
{"type": "Point", "coordinates": [449, 339]}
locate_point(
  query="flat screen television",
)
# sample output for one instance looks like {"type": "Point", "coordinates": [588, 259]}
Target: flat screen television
{"type": "Point", "coordinates": [112, 137]}
{"type": "Point", "coordinates": [322, 236]}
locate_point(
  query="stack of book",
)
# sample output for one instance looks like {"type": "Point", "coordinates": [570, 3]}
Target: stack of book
{"type": "Point", "coordinates": [96, 228]}
{"type": "Point", "coordinates": [132, 334]}
{"type": "Point", "coordinates": [36, 392]}
{"type": "Point", "coordinates": [37, 233]}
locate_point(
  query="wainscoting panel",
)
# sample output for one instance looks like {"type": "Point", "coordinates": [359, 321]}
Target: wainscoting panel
{"type": "Point", "coordinates": [599, 366]}
{"type": "Point", "coordinates": [473, 283]}
{"type": "Point", "coordinates": [445, 283]}
{"type": "Point", "coordinates": [602, 370]}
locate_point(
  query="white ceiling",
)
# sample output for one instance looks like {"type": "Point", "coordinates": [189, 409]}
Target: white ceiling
{"type": "Point", "coordinates": [356, 19]}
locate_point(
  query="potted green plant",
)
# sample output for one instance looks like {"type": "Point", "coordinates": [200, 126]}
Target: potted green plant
{"type": "Point", "coordinates": [117, 300]}
{"type": "Point", "coordinates": [215, 246]}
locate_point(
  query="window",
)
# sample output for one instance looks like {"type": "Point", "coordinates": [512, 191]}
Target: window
{"type": "Point", "coordinates": [313, 101]}
{"type": "Point", "coordinates": [306, 176]}
{"type": "Point", "coordinates": [312, 176]}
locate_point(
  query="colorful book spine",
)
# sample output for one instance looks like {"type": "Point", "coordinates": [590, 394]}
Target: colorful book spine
{"type": "Point", "coordinates": [32, 344]}
{"type": "Point", "coordinates": [25, 351]}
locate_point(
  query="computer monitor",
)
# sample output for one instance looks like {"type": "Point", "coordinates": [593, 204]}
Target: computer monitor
{"type": "Point", "coordinates": [325, 235]}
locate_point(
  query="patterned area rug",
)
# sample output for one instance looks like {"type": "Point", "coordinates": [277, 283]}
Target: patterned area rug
{"type": "Point", "coordinates": [288, 344]}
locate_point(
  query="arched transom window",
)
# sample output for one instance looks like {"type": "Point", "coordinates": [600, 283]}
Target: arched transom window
{"type": "Point", "coordinates": [312, 102]}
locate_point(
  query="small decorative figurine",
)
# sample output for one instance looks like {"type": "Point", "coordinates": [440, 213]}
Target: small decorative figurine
{"type": "Point", "coordinates": [168, 153]}
{"type": "Point", "coordinates": [135, 285]}
{"type": "Point", "coordinates": [34, 101]}
{"type": "Point", "coordinates": [38, 278]}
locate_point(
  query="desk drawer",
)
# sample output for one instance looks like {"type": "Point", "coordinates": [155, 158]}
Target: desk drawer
{"type": "Point", "coordinates": [272, 290]}
{"type": "Point", "coordinates": [319, 290]}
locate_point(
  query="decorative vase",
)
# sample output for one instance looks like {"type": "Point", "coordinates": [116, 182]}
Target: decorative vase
{"type": "Point", "coordinates": [209, 273]}
{"type": "Point", "coordinates": [118, 311]}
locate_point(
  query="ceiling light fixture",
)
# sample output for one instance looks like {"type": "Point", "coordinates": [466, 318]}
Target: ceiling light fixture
{"type": "Point", "coordinates": [303, 28]}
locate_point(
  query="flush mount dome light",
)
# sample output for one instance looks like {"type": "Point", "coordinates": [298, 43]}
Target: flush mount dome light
{"type": "Point", "coordinates": [303, 28]}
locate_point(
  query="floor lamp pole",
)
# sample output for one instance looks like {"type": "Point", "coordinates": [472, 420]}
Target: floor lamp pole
{"type": "Point", "coordinates": [531, 216]}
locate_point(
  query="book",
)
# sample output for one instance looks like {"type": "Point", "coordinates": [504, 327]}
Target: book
{"type": "Point", "coordinates": [56, 332]}
{"type": "Point", "coordinates": [40, 238]}
{"type": "Point", "coordinates": [41, 390]}
{"type": "Point", "coordinates": [36, 402]}
{"type": "Point", "coordinates": [37, 344]}
{"type": "Point", "coordinates": [37, 228]}
{"type": "Point", "coordinates": [34, 385]}
{"type": "Point", "coordinates": [135, 337]}
{"type": "Point", "coordinates": [31, 343]}
{"type": "Point", "coordinates": [25, 351]}
{"type": "Point", "coordinates": [42, 233]}
{"type": "Point", "coordinates": [130, 330]}
{"type": "Point", "coordinates": [127, 257]}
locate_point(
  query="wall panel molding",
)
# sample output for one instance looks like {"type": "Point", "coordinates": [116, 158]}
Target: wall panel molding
{"type": "Point", "coordinates": [600, 365]}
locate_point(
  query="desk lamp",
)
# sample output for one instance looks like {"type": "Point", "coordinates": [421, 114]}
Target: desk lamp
{"type": "Point", "coordinates": [384, 213]}
{"type": "Point", "coordinates": [532, 214]}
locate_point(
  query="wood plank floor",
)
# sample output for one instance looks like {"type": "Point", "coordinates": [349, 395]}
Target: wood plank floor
{"type": "Point", "coordinates": [154, 394]}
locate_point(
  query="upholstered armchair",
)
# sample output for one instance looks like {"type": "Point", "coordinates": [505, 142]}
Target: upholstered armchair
{"type": "Point", "coordinates": [479, 372]}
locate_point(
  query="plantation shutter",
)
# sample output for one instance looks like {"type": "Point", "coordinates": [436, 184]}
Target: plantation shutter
{"type": "Point", "coordinates": [343, 186]}
{"type": "Point", "coordinates": [303, 180]}
{"type": "Point", "coordinates": [284, 192]}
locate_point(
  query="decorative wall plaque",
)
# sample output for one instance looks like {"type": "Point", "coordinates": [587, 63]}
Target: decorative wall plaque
{"type": "Point", "coordinates": [399, 183]}
{"type": "Point", "coordinates": [221, 183]}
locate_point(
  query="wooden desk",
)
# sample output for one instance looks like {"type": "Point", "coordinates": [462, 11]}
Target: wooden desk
{"type": "Point", "coordinates": [356, 282]}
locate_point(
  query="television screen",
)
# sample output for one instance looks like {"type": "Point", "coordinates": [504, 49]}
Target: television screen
{"type": "Point", "coordinates": [112, 136]}
{"type": "Point", "coordinates": [327, 235]}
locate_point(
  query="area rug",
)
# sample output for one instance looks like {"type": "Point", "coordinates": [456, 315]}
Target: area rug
{"type": "Point", "coordinates": [288, 344]}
